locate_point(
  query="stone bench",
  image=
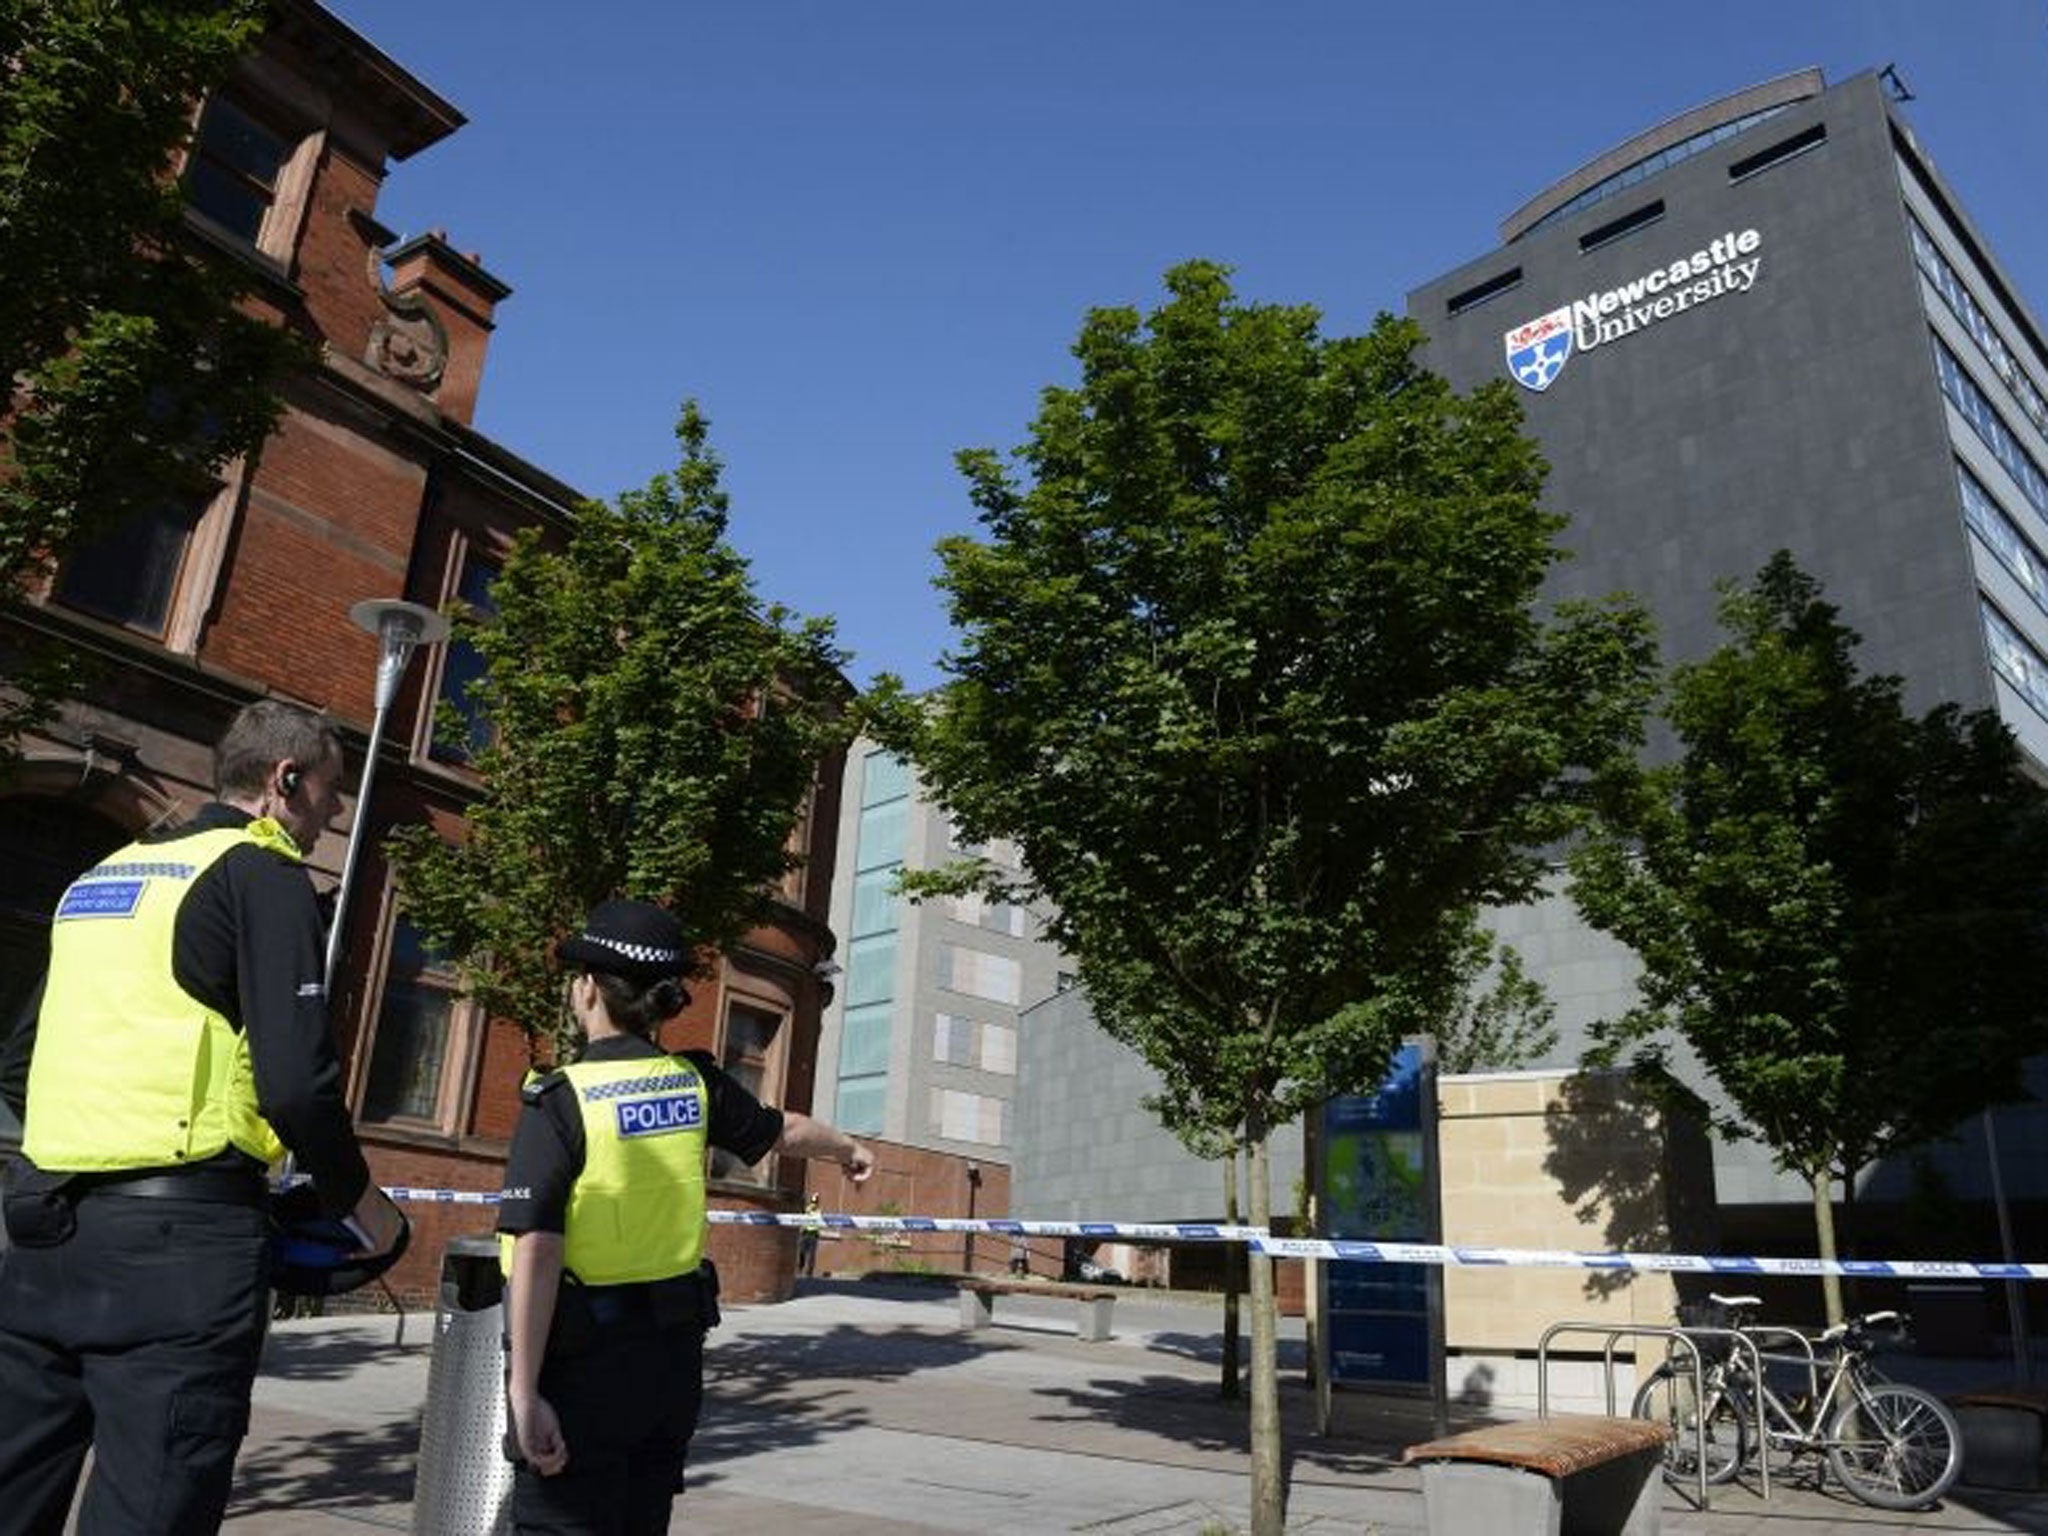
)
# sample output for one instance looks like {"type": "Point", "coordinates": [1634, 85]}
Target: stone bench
{"type": "Point", "coordinates": [977, 1303]}
{"type": "Point", "coordinates": [2003, 1434]}
{"type": "Point", "coordinates": [1577, 1473]}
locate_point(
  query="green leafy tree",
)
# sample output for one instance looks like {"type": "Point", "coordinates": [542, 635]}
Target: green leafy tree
{"type": "Point", "coordinates": [654, 732]}
{"type": "Point", "coordinates": [1499, 1016]}
{"type": "Point", "coordinates": [134, 374]}
{"type": "Point", "coordinates": [1841, 909]}
{"type": "Point", "coordinates": [1250, 670]}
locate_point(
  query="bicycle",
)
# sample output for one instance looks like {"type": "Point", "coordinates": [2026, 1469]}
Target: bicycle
{"type": "Point", "coordinates": [1891, 1445]}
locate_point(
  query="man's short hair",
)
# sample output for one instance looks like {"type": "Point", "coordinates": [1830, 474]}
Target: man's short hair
{"type": "Point", "coordinates": [265, 734]}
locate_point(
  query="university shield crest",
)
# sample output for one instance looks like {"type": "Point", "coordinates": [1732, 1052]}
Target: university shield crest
{"type": "Point", "coordinates": [1537, 350]}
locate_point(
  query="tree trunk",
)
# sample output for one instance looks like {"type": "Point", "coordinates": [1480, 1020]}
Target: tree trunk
{"type": "Point", "coordinates": [1824, 1231]}
{"type": "Point", "coordinates": [1269, 1492]}
{"type": "Point", "coordinates": [1845, 1242]}
{"type": "Point", "coordinates": [1233, 1275]}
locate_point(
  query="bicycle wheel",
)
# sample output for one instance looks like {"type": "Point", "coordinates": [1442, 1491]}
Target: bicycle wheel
{"type": "Point", "coordinates": [1895, 1447]}
{"type": "Point", "coordinates": [1722, 1434]}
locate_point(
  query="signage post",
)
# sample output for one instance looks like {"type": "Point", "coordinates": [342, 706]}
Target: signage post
{"type": "Point", "coordinates": [1377, 1180]}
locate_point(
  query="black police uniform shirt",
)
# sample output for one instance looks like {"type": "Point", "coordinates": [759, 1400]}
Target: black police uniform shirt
{"type": "Point", "coordinates": [547, 1145]}
{"type": "Point", "coordinates": [249, 943]}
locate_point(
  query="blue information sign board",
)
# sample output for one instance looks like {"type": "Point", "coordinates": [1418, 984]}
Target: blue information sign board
{"type": "Point", "coordinates": [1376, 1177]}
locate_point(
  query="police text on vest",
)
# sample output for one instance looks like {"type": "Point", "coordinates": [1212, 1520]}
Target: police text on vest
{"type": "Point", "coordinates": [657, 1117]}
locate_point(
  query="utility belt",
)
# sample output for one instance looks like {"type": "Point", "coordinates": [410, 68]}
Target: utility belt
{"type": "Point", "coordinates": [587, 1314]}
{"type": "Point", "coordinates": [213, 1183]}
{"type": "Point", "coordinates": [41, 1205]}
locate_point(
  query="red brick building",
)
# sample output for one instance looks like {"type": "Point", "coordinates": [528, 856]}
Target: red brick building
{"type": "Point", "coordinates": [375, 485]}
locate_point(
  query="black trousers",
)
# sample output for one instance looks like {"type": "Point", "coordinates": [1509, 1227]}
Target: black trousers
{"type": "Point", "coordinates": [627, 1402]}
{"type": "Point", "coordinates": [138, 1337]}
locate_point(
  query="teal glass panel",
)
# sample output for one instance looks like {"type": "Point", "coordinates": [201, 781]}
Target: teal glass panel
{"type": "Point", "coordinates": [883, 829]}
{"type": "Point", "coordinates": [884, 776]}
{"type": "Point", "coordinates": [874, 900]}
{"type": "Point", "coordinates": [864, 1040]}
{"type": "Point", "coordinates": [861, 1102]}
{"type": "Point", "coordinates": [871, 969]}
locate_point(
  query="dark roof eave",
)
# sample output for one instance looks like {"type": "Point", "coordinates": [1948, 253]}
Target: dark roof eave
{"type": "Point", "coordinates": [414, 114]}
{"type": "Point", "coordinates": [1797, 85]}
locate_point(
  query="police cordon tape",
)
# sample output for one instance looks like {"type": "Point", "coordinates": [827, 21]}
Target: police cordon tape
{"type": "Point", "coordinates": [1343, 1250]}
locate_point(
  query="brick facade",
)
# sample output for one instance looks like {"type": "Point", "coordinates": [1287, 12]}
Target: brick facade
{"type": "Point", "coordinates": [374, 485]}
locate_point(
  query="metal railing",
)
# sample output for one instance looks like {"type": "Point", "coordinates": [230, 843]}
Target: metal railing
{"type": "Point", "coordinates": [1686, 1339]}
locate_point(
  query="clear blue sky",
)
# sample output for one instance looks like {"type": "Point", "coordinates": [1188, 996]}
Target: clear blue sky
{"type": "Point", "coordinates": [864, 235]}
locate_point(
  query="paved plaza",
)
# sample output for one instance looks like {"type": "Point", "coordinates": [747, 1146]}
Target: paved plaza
{"type": "Point", "coordinates": [858, 1409]}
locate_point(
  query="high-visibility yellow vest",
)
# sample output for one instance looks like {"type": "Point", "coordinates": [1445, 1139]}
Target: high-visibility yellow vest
{"type": "Point", "coordinates": [636, 1212]}
{"type": "Point", "coordinates": [130, 1070]}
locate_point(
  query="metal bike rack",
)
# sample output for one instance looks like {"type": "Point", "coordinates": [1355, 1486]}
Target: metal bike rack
{"type": "Point", "coordinates": [1688, 1340]}
{"type": "Point", "coordinates": [1776, 1331]}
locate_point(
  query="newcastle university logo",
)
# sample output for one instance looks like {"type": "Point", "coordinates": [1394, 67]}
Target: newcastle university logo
{"type": "Point", "coordinates": [1537, 351]}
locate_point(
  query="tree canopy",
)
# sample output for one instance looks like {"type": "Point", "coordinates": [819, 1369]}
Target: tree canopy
{"type": "Point", "coordinates": [1251, 671]}
{"type": "Point", "coordinates": [135, 376]}
{"type": "Point", "coordinates": [653, 731]}
{"type": "Point", "coordinates": [1841, 909]}
{"type": "Point", "coordinates": [1250, 668]}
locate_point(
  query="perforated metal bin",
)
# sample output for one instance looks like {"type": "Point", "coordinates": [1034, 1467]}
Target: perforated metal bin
{"type": "Point", "coordinates": [464, 1483]}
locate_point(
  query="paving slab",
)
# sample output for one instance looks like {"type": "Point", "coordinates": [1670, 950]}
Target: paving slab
{"type": "Point", "coordinates": [855, 1410]}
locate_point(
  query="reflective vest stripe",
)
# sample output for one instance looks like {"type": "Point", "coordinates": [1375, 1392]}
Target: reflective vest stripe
{"type": "Point", "coordinates": [637, 1210]}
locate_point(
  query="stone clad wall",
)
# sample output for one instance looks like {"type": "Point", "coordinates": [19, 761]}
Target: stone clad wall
{"type": "Point", "coordinates": [1570, 1161]}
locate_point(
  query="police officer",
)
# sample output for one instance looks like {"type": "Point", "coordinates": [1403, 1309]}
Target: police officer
{"type": "Point", "coordinates": [807, 1239]}
{"type": "Point", "coordinates": [603, 1220]}
{"type": "Point", "coordinates": [178, 1045]}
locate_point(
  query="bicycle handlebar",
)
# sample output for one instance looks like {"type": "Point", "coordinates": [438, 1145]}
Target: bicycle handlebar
{"type": "Point", "coordinates": [1856, 1325]}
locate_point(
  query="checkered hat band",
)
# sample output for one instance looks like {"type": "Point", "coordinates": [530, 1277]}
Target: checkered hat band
{"type": "Point", "coordinates": [639, 954]}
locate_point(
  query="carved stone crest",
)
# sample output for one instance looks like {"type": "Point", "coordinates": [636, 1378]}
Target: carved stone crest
{"type": "Point", "coordinates": [408, 346]}
{"type": "Point", "coordinates": [409, 343]}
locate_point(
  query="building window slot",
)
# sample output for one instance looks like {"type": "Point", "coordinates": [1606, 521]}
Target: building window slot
{"type": "Point", "coordinates": [1492, 288]}
{"type": "Point", "coordinates": [416, 1019]}
{"type": "Point", "coordinates": [463, 666]}
{"type": "Point", "coordinates": [128, 573]}
{"type": "Point", "coordinates": [1627, 224]}
{"type": "Point", "coordinates": [1777, 154]}
{"type": "Point", "coordinates": [235, 168]}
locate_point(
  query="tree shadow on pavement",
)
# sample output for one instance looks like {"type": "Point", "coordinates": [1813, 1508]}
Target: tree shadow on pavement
{"type": "Point", "coordinates": [766, 1392]}
{"type": "Point", "coordinates": [332, 1468]}
{"type": "Point", "coordinates": [1291, 1354]}
{"type": "Point", "coordinates": [1178, 1412]}
{"type": "Point", "coordinates": [332, 1355]}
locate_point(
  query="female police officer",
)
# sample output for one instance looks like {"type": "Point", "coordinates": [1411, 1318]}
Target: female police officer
{"type": "Point", "coordinates": [603, 1214]}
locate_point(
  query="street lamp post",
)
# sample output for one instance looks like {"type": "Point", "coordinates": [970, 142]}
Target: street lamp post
{"type": "Point", "coordinates": [400, 628]}
{"type": "Point", "coordinates": [973, 1184]}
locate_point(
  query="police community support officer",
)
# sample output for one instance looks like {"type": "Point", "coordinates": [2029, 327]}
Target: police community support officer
{"type": "Point", "coordinates": [604, 1218]}
{"type": "Point", "coordinates": [179, 1045]}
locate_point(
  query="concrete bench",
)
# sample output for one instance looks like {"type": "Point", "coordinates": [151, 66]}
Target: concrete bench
{"type": "Point", "coordinates": [2003, 1435]}
{"type": "Point", "coordinates": [1093, 1304]}
{"type": "Point", "coordinates": [1574, 1473]}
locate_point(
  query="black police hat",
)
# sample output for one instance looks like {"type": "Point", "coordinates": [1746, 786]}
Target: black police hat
{"type": "Point", "coordinates": [633, 939]}
{"type": "Point", "coordinates": [314, 1254]}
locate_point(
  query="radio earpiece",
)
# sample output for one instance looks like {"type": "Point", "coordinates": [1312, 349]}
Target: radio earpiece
{"type": "Point", "coordinates": [288, 782]}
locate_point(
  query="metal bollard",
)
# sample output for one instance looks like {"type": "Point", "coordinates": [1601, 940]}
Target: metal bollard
{"type": "Point", "coordinates": [464, 1483]}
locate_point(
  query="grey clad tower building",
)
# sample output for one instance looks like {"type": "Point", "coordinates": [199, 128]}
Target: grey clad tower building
{"type": "Point", "coordinates": [1766, 324]}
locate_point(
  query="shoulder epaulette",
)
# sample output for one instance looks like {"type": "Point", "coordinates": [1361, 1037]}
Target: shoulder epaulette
{"type": "Point", "coordinates": [538, 1083]}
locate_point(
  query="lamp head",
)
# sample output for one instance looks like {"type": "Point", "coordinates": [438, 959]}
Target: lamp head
{"type": "Point", "coordinates": [399, 627]}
